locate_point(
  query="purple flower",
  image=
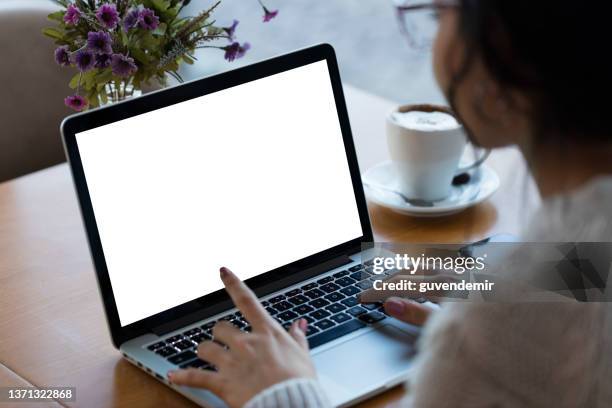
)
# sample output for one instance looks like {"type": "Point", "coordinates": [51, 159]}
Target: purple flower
{"type": "Point", "coordinates": [235, 50]}
{"type": "Point", "coordinates": [99, 42]}
{"type": "Point", "coordinates": [103, 61]}
{"type": "Point", "coordinates": [76, 102]}
{"type": "Point", "coordinates": [62, 56]}
{"type": "Point", "coordinates": [72, 16]}
{"type": "Point", "coordinates": [147, 19]}
{"type": "Point", "coordinates": [84, 60]}
{"type": "Point", "coordinates": [269, 15]}
{"type": "Point", "coordinates": [108, 16]}
{"type": "Point", "coordinates": [131, 19]}
{"type": "Point", "coordinates": [123, 65]}
{"type": "Point", "coordinates": [231, 30]}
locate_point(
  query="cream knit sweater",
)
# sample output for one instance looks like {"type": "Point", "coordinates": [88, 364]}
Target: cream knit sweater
{"type": "Point", "coordinates": [509, 355]}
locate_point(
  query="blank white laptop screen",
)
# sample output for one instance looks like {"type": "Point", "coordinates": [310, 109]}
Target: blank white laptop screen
{"type": "Point", "coordinates": [252, 177]}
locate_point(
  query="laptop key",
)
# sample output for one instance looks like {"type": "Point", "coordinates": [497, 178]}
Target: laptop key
{"type": "Point", "coordinates": [340, 318]}
{"type": "Point", "coordinates": [276, 299]}
{"type": "Point", "coordinates": [282, 306]}
{"type": "Point", "coordinates": [336, 307]}
{"type": "Point", "coordinates": [370, 306]}
{"type": "Point", "coordinates": [364, 285]}
{"type": "Point", "coordinates": [287, 316]}
{"type": "Point", "coordinates": [325, 280]}
{"type": "Point", "coordinates": [319, 314]}
{"type": "Point", "coordinates": [182, 357]}
{"type": "Point", "coordinates": [208, 326]}
{"type": "Point", "coordinates": [357, 310]}
{"type": "Point", "coordinates": [192, 332]}
{"type": "Point", "coordinates": [324, 324]}
{"type": "Point", "coordinates": [358, 276]}
{"type": "Point", "coordinates": [302, 309]}
{"type": "Point", "coordinates": [309, 319]}
{"type": "Point", "coordinates": [356, 268]}
{"type": "Point", "coordinates": [293, 292]}
{"type": "Point", "coordinates": [198, 338]}
{"type": "Point", "coordinates": [174, 339]}
{"type": "Point", "coordinates": [318, 303]}
{"type": "Point", "coordinates": [330, 287]}
{"type": "Point", "coordinates": [334, 333]}
{"type": "Point", "coordinates": [310, 330]}
{"type": "Point", "coordinates": [314, 293]}
{"type": "Point", "coordinates": [349, 302]}
{"type": "Point", "coordinates": [272, 311]}
{"type": "Point", "coordinates": [265, 303]}
{"type": "Point", "coordinates": [166, 351]}
{"type": "Point", "coordinates": [372, 317]}
{"type": "Point", "coordinates": [197, 363]}
{"type": "Point", "coordinates": [334, 297]}
{"type": "Point", "coordinates": [157, 345]}
{"type": "Point", "coordinates": [298, 300]}
{"type": "Point", "coordinates": [183, 345]}
{"type": "Point", "coordinates": [309, 286]}
{"type": "Point", "coordinates": [340, 274]}
{"type": "Point", "coordinates": [350, 290]}
{"type": "Point", "coordinates": [239, 323]}
{"type": "Point", "coordinates": [345, 281]}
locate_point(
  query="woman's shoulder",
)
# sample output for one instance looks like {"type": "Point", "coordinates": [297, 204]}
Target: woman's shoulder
{"type": "Point", "coordinates": [583, 215]}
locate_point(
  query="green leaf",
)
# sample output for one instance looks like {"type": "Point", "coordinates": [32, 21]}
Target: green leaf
{"type": "Point", "coordinates": [161, 5]}
{"type": "Point", "coordinates": [53, 33]}
{"type": "Point", "coordinates": [104, 77]}
{"type": "Point", "coordinates": [74, 82]}
{"type": "Point", "coordinates": [160, 30]}
{"type": "Point", "coordinates": [57, 16]}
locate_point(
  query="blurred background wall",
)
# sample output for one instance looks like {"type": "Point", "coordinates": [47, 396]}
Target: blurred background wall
{"type": "Point", "coordinates": [372, 53]}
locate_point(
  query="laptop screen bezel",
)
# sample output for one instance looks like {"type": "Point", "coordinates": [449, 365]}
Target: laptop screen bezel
{"type": "Point", "coordinates": [88, 120]}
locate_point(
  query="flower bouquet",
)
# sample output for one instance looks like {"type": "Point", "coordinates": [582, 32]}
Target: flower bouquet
{"type": "Point", "coordinates": [119, 46]}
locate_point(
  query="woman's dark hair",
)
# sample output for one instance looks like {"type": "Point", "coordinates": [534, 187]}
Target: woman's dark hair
{"type": "Point", "coordinates": [557, 52]}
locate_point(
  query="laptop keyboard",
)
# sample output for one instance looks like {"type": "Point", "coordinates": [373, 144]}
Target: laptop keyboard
{"type": "Point", "coordinates": [329, 305]}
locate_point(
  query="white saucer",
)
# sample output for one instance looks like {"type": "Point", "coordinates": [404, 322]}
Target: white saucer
{"type": "Point", "coordinates": [380, 186]}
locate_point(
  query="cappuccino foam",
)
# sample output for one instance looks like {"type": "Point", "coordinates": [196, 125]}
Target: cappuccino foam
{"type": "Point", "coordinates": [425, 121]}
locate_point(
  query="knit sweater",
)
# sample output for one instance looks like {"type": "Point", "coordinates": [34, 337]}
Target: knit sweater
{"type": "Point", "coordinates": [556, 354]}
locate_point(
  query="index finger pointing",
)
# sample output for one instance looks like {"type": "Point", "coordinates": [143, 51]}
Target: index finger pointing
{"type": "Point", "coordinates": [244, 299]}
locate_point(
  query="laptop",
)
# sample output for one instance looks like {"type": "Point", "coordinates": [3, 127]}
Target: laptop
{"type": "Point", "coordinates": [253, 169]}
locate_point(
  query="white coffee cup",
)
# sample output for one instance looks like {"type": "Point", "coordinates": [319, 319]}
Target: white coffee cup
{"type": "Point", "coordinates": [426, 143]}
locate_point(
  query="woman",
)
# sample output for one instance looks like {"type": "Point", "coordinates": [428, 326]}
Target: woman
{"type": "Point", "coordinates": [519, 73]}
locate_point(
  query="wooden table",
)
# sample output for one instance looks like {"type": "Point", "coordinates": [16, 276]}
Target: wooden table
{"type": "Point", "coordinates": [52, 326]}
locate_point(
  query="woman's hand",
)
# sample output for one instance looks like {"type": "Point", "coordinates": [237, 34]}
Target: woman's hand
{"type": "Point", "coordinates": [397, 303]}
{"type": "Point", "coordinates": [253, 361]}
{"type": "Point", "coordinates": [407, 310]}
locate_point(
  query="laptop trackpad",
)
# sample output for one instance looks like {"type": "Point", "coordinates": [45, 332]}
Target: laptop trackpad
{"type": "Point", "coordinates": [365, 362]}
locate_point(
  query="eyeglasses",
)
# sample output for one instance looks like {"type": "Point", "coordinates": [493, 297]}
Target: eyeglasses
{"type": "Point", "coordinates": [418, 20]}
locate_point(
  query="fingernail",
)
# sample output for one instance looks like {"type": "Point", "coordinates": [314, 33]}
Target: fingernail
{"type": "Point", "coordinates": [303, 324]}
{"type": "Point", "coordinates": [170, 374]}
{"type": "Point", "coordinates": [394, 306]}
{"type": "Point", "coordinates": [224, 272]}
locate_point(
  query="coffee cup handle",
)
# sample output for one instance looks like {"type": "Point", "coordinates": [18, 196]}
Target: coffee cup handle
{"type": "Point", "coordinates": [476, 163]}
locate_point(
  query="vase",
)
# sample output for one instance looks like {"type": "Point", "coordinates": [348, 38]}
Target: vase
{"type": "Point", "coordinates": [117, 92]}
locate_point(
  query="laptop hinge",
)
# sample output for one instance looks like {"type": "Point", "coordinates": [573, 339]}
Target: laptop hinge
{"type": "Point", "coordinates": [262, 291]}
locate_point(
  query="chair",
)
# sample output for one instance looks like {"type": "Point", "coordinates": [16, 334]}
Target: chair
{"type": "Point", "coordinates": [32, 91]}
